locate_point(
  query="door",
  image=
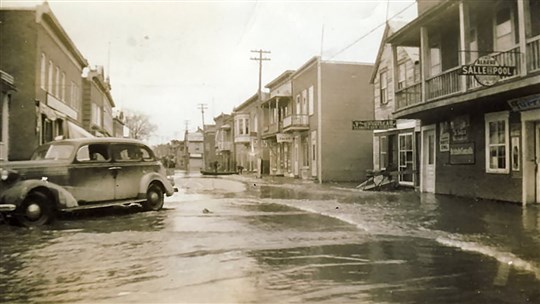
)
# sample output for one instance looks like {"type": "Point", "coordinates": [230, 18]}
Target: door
{"type": "Point", "coordinates": [296, 155]}
{"type": "Point", "coordinates": [537, 160]}
{"type": "Point", "coordinates": [427, 182]}
{"type": "Point", "coordinates": [90, 177]}
{"type": "Point", "coordinates": [314, 153]}
{"type": "Point", "coordinates": [132, 162]}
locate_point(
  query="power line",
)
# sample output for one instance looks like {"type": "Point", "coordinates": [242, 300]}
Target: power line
{"type": "Point", "coordinates": [371, 31]}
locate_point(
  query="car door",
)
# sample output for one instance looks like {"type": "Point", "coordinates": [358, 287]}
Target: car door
{"type": "Point", "coordinates": [133, 163]}
{"type": "Point", "coordinates": [90, 176]}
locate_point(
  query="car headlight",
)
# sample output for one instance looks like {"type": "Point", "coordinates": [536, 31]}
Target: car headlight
{"type": "Point", "coordinates": [4, 174]}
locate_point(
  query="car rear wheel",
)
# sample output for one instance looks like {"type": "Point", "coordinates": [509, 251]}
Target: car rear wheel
{"type": "Point", "coordinates": [35, 210]}
{"type": "Point", "coordinates": [154, 198]}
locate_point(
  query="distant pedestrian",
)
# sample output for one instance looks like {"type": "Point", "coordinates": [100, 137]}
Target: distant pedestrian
{"type": "Point", "coordinates": [240, 169]}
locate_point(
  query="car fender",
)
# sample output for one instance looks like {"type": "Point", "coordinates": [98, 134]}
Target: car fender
{"type": "Point", "coordinates": [18, 192]}
{"type": "Point", "coordinates": [147, 179]}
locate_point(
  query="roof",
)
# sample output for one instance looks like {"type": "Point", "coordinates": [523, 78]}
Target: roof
{"type": "Point", "coordinates": [284, 76]}
{"type": "Point", "coordinates": [391, 27]}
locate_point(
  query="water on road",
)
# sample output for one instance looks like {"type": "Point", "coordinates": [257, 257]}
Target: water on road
{"type": "Point", "coordinates": [242, 241]}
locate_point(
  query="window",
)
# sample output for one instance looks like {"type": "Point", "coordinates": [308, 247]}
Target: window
{"type": "Point", "coordinates": [132, 153]}
{"type": "Point", "coordinates": [50, 80]}
{"type": "Point", "coordinates": [246, 126]}
{"type": "Point", "coordinates": [383, 152]}
{"type": "Point", "coordinates": [383, 85]}
{"type": "Point", "coordinates": [406, 157]}
{"type": "Point", "coordinates": [504, 37]}
{"type": "Point", "coordinates": [96, 114]}
{"type": "Point", "coordinates": [57, 82]}
{"type": "Point", "coordinates": [298, 108]}
{"type": "Point", "coordinates": [402, 75]}
{"type": "Point", "coordinates": [473, 44]}
{"type": "Point", "coordinates": [304, 102]}
{"type": "Point", "coordinates": [305, 151]}
{"type": "Point", "coordinates": [93, 152]}
{"type": "Point", "coordinates": [497, 143]}
{"type": "Point", "coordinates": [435, 56]}
{"type": "Point", "coordinates": [63, 88]}
{"type": "Point", "coordinates": [310, 98]}
{"type": "Point", "coordinates": [46, 129]}
{"type": "Point", "coordinates": [43, 72]}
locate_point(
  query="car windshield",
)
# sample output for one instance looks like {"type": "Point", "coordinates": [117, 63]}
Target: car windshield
{"type": "Point", "coordinates": [53, 151]}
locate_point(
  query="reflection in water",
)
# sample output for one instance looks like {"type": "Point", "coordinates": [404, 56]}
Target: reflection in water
{"type": "Point", "coordinates": [276, 244]}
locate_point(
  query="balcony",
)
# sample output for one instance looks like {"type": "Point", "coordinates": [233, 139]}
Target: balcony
{"type": "Point", "coordinates": [296, 122]}
{"type": "Point", "coordinates": [450, 83]}
{"type": "Point", "coordinates": [270, 130]}
{"type": "Point", "coordinates": [242, 138]}
{"type": "Point", "coordinates": [224, 146]}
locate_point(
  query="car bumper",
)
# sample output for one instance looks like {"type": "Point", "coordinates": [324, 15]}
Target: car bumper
{"type": "Point", "coordinates": [7, 207]}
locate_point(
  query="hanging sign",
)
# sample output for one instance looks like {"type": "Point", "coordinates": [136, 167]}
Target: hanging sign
{"type": "Point", "coordinates": [374, 124]}
{"type": "Point", "coordinates": [281, 138]}
{"type": "Point", "coordinates": [487, 70]}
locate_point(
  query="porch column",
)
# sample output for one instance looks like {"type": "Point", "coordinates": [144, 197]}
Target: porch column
{"type": "Point", "coordinates": [424, 59]}
{"type": "Point", "coordinates": [523, 7]}
{"type": "Point", "coordinates": [464, 27]}
{"type": "Point", "coordinates": [395, 75]}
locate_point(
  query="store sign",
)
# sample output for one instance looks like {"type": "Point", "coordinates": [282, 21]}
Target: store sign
{"type": "Point", "coordinates": [281, 138]}
{"type": "Point", "coordinates": [462, 154]}
{"type": "Point", "coordinates": [525, 103]}
{"type": "Point", "coordinates": [374, 124]}
{"type": "Point", "coordinates": [487, 70]}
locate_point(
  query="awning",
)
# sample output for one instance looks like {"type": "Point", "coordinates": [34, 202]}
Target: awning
{"type": "Point", "coordinates": [75, 131]}
{"type": "Point", "coordinates": [50, 113]}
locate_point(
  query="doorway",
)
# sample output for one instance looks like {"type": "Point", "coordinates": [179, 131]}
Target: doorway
{"type": "Point", "coordinates": [427, 177]}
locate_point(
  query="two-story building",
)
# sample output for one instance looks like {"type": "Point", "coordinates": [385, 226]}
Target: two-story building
{"type": "Point", "coordinates": [314, 138]}
{"type": "Point", "coordinates": [48, 66]}
{"type": "Point", "coordinates": [395, 148]}
{"type": "Point", "coordinates": [479, 101]}
{"type": "Point", "coordinates": [224, 147]}
{"type": "Point", "coordinates": [245, 133]}
{"type": "Point", "coordinates": [194, 143]}
{"type": "Point", "coordinates": [277, 117]}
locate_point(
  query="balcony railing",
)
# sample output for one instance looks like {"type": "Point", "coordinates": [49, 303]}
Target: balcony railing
{"type": "Point", "coordinates": [445, 84]}
{"type": "Point", "coordinates": [224, 146]}
{"type": "Point", "coordinates": [409, 95]}
{"type": "Point", "coordinates": [242, 138]}
{"type": "Point", "coordinates": [296, 121]}
{"type": "Point", "coordinates": [271, 129]}
{"type": "Point", "coordinates": [533, 54]}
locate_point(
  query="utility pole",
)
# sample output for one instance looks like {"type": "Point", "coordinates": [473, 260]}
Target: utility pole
{"type": "Point", "coordinates": [260, 59]}
{"type": "Point", "coordinates": [202, 107]}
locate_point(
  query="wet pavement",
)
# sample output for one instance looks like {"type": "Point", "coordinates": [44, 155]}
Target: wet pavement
{"type": "Point", "coordinates": [238, 239]}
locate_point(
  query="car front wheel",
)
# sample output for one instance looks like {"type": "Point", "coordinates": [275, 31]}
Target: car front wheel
{"type": "Point", "coordinates": [154, 198]}
{"type": "Point", "coordinates": [35, 210]}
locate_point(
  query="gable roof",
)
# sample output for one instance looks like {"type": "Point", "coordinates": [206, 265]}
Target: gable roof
{"type": "Point", "coordinates": [391, 27]}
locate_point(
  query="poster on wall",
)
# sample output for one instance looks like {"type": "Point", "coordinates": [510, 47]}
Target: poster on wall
{"type": "Point", "coordinates": [516, 164]}
{"type": "Point", "coordinates": [462, 154]}
{"type": "Point", "coordinates": [444, 136]}
{"type": "Point", "coordinates": [460, 128]}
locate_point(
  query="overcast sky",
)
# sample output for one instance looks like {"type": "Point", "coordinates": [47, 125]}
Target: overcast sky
{"type": "Point", "coordinates": [164, 58]}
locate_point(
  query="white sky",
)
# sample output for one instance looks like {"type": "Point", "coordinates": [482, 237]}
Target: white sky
{"type": "Point", "coordinates": [166, 57]}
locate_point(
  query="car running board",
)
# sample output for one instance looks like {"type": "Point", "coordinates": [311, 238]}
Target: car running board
{"type": "Point", "coordinates": [123, 203]}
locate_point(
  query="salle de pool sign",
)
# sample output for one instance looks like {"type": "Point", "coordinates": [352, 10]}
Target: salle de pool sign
{"type": "Point", "coordinates": [487, 70]}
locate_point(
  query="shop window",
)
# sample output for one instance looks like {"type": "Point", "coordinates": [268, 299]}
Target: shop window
{"type": "Point", "coordinates": [383, 83]}
{"type": "Point", "coordinates": [405, 161]}
{"type": "Point", "coordinates": [497, 142]}
{"type": "Point", "coordinates": [46, 129]}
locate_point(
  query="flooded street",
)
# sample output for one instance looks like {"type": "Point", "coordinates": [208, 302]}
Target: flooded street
{"type": "Point", "coordinates": [238, 240]}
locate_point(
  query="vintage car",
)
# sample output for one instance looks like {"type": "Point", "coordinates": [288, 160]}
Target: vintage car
{"type": "Point", "coordinates": [74, 174]}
